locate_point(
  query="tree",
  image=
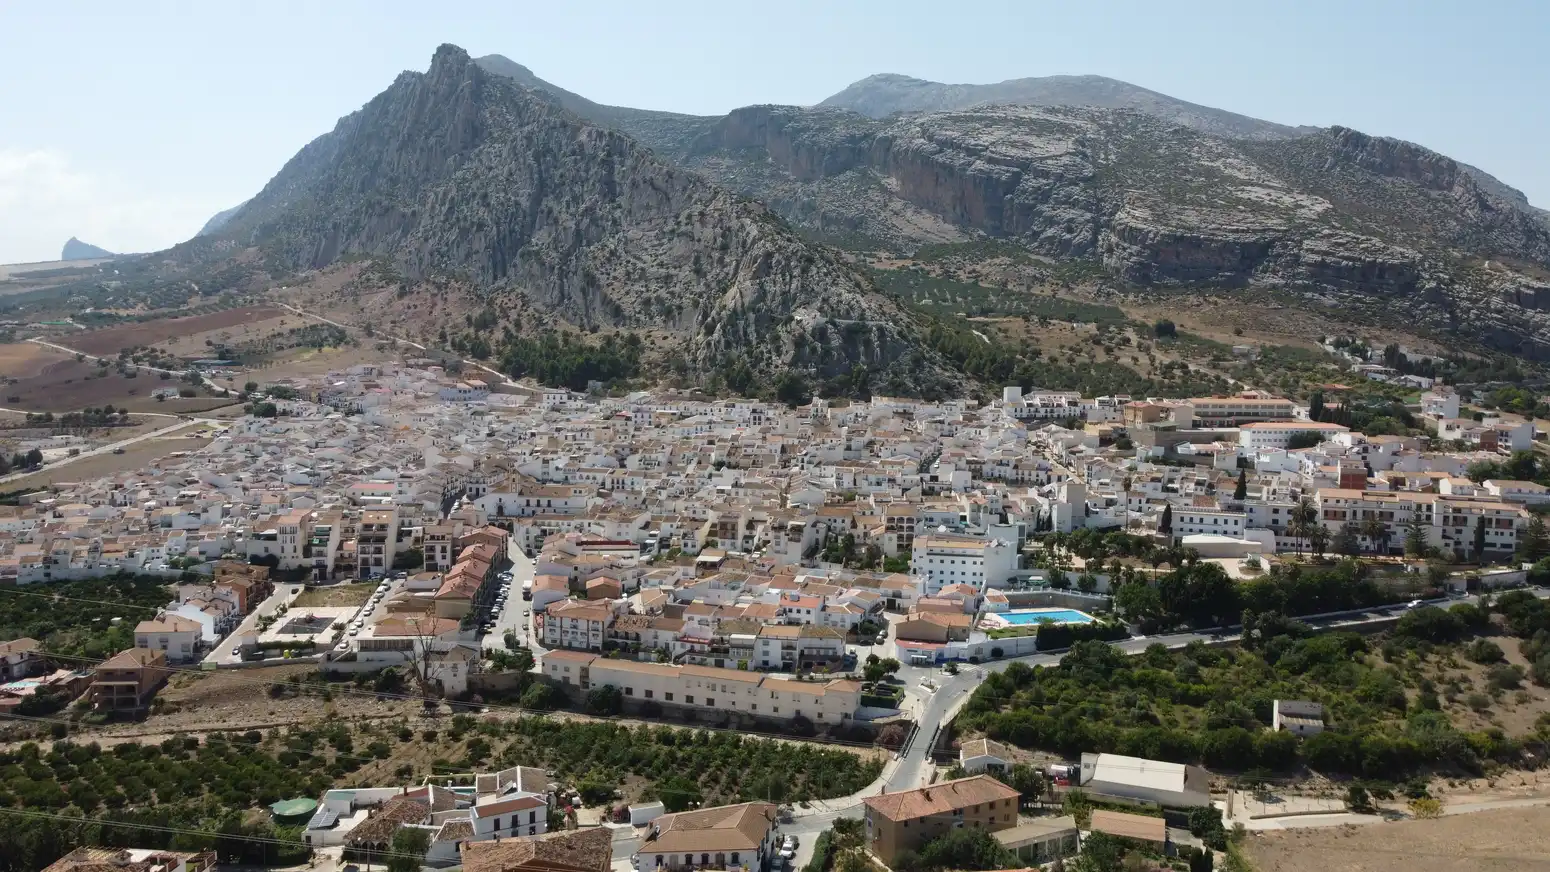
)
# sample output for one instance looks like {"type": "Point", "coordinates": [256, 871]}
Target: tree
{"type": "Point", "coordinates": [1415, 538]}
{"type": "Point", "coordinates": [1304, 439]}
{"type": "Point", "coordinates": [1241, 490]}
{"type": "Point", "coordinates": [1479, 543]}
{"type": "Point", "coordinates": [408, 849]}
{"type": "Point", "coordinates": [1376, 531]}
{"type": "Point", "coordinates": [1137, 600]}
{"type": "Point", "coordinates": [34, 458]}
{"type": "Point", "coordinates": [605, 699]}
{"type": "Point", "coordinates": [1357, 800]}
{"type": "Point", "coordinates": [965, 848]}
{"type": "Point", "coordinates": [792, 389]}
{"type": "Point", "coordinates": [1163, 328]}
{"type": "Point", "coordinates": [1318, 538]}
{"type": "Point", "coordinates": [1101, 852]}
{"type": "Point", "coordinates": [1426, 808]}
{"type": "Point", "coordinates": [1347, 541]}
{"type": "Point", "coordinates": [1534, 545]}
{"type": "Point", "coordinates": [1165, 523]}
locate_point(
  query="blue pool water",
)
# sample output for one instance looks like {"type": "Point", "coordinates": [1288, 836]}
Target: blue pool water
{"type": "Point", "coordinates": [1034, 616]}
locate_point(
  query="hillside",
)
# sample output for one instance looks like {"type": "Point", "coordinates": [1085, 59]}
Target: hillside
{"type": "Point", "coordinates": [1150, 190]}
{"type": "Point", "coordinates": [457, 177]}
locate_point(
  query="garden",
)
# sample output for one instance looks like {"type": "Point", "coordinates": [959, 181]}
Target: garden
{"type": "Point", "coordinates": [76, 618]}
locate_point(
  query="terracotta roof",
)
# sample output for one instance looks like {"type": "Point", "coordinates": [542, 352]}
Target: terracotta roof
{"type": "Point", "coordinates": [1130, 826]}
{"type": "Point", "coordinates": [379, 828]}
{"type": "Point", "coordinates": [727, 828]}
{"type": "Point", "coordinates": [943, 798]}
{"type": "Point", "coordinates": [23, 645]}
{"type": "Point", "coordinates": [588, 850]}
{"type": "Point", "coordinates": [984, 748]}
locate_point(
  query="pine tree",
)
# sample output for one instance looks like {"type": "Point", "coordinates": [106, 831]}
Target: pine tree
{"type": "Point", "coordinates": [1479, 549]}
{"type": "Point", "coordinates": [1165, 524]}
{"type": "Point", "coordinates": [1242, 490]}
{"type": "Point", "coordinates": [1415, 538]}
{"type": "Point", "coordinates": [1532, 547]}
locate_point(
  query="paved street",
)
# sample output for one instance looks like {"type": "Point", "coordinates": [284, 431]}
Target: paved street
{"type": "Point", "coordinates": [511, 619]}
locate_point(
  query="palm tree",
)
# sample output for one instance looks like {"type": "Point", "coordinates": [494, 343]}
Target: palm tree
{"type": "Point", "coordinates": [1376, 532]}
{"type": "Point", "coordinates": [1318, 538]}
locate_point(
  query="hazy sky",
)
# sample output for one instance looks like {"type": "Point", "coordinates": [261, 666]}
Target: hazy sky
{"type": "Point", "coordinates": [129, 123]}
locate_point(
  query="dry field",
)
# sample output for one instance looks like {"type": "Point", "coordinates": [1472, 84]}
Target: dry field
{"type": "Point", "coordinates": [110, 340]}
{"type": "Point", "coordinates": [1516, 839]}
{"type": "Point", "coordinates": [337, 596]}
{"type": "Point", "coordinates": [53, 381]}
{"type": "Point", "coordinates": [20, 360]}
{"type": "Point", "coordinates": [135, 456]}
{"type": "Point", "coordinates": [262, 322]}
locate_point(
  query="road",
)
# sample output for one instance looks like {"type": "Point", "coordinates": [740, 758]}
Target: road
{"type": "Point", "coordinates": [105, 449]}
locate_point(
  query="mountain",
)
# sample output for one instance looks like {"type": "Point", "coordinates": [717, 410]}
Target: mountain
{"type": "Point", "coordinates": [887, 94]}
{"type": "Point", "coordinates": [1363, 221]}
{"type": "Point", "coordinates": [657, 130]}
{"type": "Point", "coordinates": [218, 220]}
{"type": "Point", "coordinates": [460, 176]}
{"type": "Point", "coordinates": [75, 249]}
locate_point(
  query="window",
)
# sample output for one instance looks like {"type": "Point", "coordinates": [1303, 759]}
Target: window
{"type": "Point", "coordinates": [629, 691]}
{"type": "Point", "coordinates": [497, 823]}
{"type": "Point", "coordinates": [689, 700]}
{"type": "Point", "coordinates": [734, 856]}
{"type": "Point", "coordinates": [649, 694]}
{"type": "Point", "coordinates": [668, 697]}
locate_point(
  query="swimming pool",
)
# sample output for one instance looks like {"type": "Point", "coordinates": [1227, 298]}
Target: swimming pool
{"type": "Point", "coordinates": [1034, 616]}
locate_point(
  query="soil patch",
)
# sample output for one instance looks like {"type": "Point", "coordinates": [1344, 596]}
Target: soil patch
{"type": "Point", "coordinates": [1501, 839]}
{"type": "Point", "coordinates": [110, 340]}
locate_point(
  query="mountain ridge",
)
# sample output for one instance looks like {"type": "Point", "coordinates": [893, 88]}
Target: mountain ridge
{"type": "Point", "coordinates": [460, 173]}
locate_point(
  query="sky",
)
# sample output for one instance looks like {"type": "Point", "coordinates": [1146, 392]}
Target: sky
{"type": "Point", "coordinates": [128, 124]}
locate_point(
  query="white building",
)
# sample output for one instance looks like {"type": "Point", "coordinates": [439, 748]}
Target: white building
{"type": "Point", "coordinates": [1278, 434]}
{"type": "Point", "coordinates": [177, 637]}
{"type": "Point", "coordinates": [941, 559]}
{"type": "Point", "coordinates": [1195, 520]}
{"type": "Point", "coordinates": [1169, 784]}
{"type": "Point", "coordinates": [1297, 717]}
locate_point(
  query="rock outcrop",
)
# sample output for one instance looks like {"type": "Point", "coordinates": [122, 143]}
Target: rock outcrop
{"type": "Point", "coordinates": [891, 94]}
{"type": "Point", "coordinates": [1335, 212]}
{"type": "Point", "coordinates": [75, 249]}
{"type": "Point", "coordinates": [456, 172]}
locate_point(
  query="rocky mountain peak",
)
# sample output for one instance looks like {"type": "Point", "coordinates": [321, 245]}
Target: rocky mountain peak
{"type": "Point", "coordinates": [75, 249]}
{"type": "Point", "coordinates": [461, 173]}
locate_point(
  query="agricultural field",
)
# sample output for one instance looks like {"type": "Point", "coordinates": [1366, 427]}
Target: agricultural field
{"type": "Point", "coordinates": [1497, 840]}
{"type": "Point", "coordinates": [40, 379]}
{"type": "Point", "coordinates": [135, 456]}
{"type": "Point", "coordinates": [109, 341]}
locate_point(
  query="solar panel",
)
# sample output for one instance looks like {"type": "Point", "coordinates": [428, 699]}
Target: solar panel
{"type": "Point", "coordinates": [323, 819]}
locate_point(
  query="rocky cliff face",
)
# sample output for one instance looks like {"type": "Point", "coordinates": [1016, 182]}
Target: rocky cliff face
{"type": "Point", "coordinates": [890, 94]}
{"type": "Point", "coordinates": [459, 173]}
{"type": "Point", "coordinates": [1337, 214]}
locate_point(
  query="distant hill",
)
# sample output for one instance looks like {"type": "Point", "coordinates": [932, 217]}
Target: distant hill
{"type": "Point", "coordinates": [218, 220]}
{"type": "Point", "coordinates": [75, 249]}
{"type": "Point", "coordinates": [889, 93]}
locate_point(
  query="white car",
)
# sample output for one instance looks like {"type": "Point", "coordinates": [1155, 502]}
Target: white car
{"type": "Point", "coordinates": [355, 631]}
{"type": "Point", "coordinates": [1414, 604]}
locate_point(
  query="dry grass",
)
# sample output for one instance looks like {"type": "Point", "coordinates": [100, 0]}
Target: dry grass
{"type": "Point", "coordinates": [338, 596]}
{"type": "Point", "coordinates": [110, 340]}
{"type": "Point", "coordinates": [1515, 839]}
{"type": "Point", "coordinates": [135, 456]}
